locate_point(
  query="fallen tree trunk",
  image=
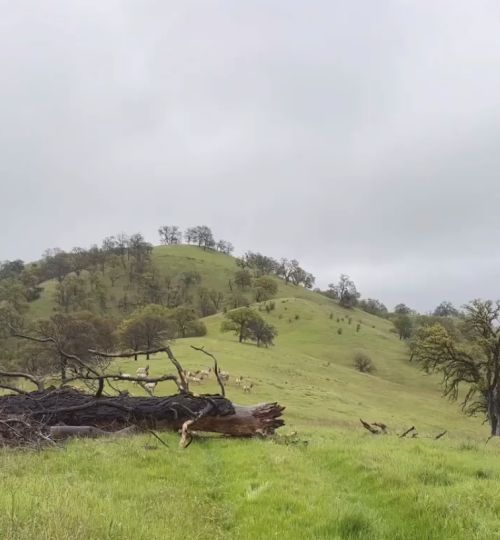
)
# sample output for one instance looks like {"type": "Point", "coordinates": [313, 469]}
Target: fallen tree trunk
{"type": "Point", "coordinates": [213, 413]}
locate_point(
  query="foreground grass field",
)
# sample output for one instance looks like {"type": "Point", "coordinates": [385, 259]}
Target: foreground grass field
{"type": "Point", "coordinates": [336, 482]}
{"type": "Point", "coordinates": [338, 485]}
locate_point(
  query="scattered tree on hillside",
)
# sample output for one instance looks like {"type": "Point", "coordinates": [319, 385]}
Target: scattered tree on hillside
{"type": "Point", "coordinates": [291, 272]}
{"type": "Point", "coordinates": [56, 264]}
{"type": "Point", "coordinates": [345, 291]}
{"type": "Point", "coordinates": [187, 323]}
{"type": "Point", "coordinates": [261, 332]}
{"type": "Point", "coordinates": [238, 321]}
{"type": "Point", "coordinates": [12, 294]}
{"type": "Point", "coordinates": [217, 298]}
{"type": "Point", "coordinates": [375, 307]}
{"type": "Point", "coordinates": [115, 270]}
{"type": "Point", "coordinates": [472, 361]}
{"type": "Point", "coordinates": [200, 235]}
{"type": "Point", "coordinates": [206, 305]}
{"type": "Point", "coordinates": [265, 288]}
{"type": "Point", "coordinates": [236, 300]}
{"type": "Point", "coordinates": [260, 264]}
{"type": "Point", "coordinates": [170, 235]}
{"type": "Point", "coordinates": [225, 247]}
{"type": "Point", "coordinates": [147, 327]}
{"type": "Point", "coordinates": [151, 289]}
{"type": "Point", "coordinates": [243, 279]}
{"type": "Point", "coordinates": [30, 278]}
{"type": "Point", "coordinates": [72, 294]}
{"type": "Point", "coordinates": [287, 268]}
{"type": "Point", "coordinates": [190, 279]}
{"type": "Point", "coordinates": [404, 326]}
{"type": "Point", "coordinates": [11, 269]}
{"type": "Point", "coordinates": [140, 250]}
{"type": "Point", "coordinates": [210, 301]}
{"type": "Point", "coordinates": [403, 309]}
{"type": "Point", "coordinates": [122, 244]}
{"type": "Point", "coordinates": [446, 309]}
{"type": "Point", "coordinates": [76, 333]}
{"type": "Point", "coordinates": [109, 245]}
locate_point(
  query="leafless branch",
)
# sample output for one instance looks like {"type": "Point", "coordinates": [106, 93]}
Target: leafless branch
{"type": "Point", "coordinates": [12, 389]}
{"type": "Point", "coordinates": [61, 351]}
{"type": "Point", "coordinates": [21, 375]}
{"type": "Point", "coordinates": [370, 428]}
{"type": "Point", "coordinates": [216, 367]}
{"type": "Point", "coordinates": [406, 432]}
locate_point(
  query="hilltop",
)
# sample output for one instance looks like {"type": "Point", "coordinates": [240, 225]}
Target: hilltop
{"type": "Point", "coordinates": [216, 270]}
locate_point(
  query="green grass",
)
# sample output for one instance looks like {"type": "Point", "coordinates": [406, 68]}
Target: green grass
{"type": "Point", "coordinates": [340, 485]}
{"type": "Point", "coordinates": [345, 483]}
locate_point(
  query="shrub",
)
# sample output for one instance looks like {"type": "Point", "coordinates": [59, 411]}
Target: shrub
{"type": "Point", "coordinates": [363, 363]}
{"type": "Point", "coordinates": [196, 328]}
{"type": "Point", "coordinates": [339, 331]}
{"type": "Point", "coordinates": [331, 315]}
{"type": "Point", "coordinates": [349, 320]}
{"type": "Point", "coordinates": [358, 327]}
{"type": "Point", "coordinates": [297, 317]}
{"type": "Point", "coordinates": [270, 307]}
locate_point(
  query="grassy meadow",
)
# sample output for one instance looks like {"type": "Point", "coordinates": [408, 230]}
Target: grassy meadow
{"type": "Point", "coordinates": [332, 480]}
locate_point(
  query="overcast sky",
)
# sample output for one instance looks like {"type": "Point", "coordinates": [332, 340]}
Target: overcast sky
{"type": "Point", "coordinates": [356, 136]}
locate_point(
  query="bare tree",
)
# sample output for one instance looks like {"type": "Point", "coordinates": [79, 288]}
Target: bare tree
{"type": "Point", "coordinates": [170, 235]}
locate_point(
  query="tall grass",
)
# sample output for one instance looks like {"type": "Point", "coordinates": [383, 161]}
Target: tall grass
{"type": "Point", "coordinates": [338, 485]}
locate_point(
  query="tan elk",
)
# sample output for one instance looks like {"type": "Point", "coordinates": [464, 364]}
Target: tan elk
{"type": "Point", "coordinates": [150, 387]}
{"type": "Point", "coordinates": [247, 388]}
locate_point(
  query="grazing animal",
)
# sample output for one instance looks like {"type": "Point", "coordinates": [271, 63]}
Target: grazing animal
{"type": "Point", "coordinates": [204, 374]}
{"type": "Point", "coordinates": [247, 388]}
{"type": "Point", "coordinates": [238, 380]}
{"type": "Point", "coordinates": [126, 375]}
{"type": "Point", "coordinates": [150, 387]}
{"type": "Point", "coordinates": [223, 376]}
{"type": "Point", "coordinates": [143, 372]}
{"type": "Point", "coordinates": [192, 378]}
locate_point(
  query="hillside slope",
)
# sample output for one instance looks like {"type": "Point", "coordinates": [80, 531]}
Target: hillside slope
{"type": "Point", "coordinates": [216, 270]}
{"type": "Point", "coordinates": [310, 368]}
{"type": "Point", "coordinates": [334, 480]}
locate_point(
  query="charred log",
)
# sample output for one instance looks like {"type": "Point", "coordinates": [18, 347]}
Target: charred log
{"type": "Point", "coordinates": [213, 413]}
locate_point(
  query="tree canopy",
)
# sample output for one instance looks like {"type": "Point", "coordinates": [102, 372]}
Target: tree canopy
{"type": "Point", "coordinates": [471, 359]}
{"type": "Point", "coordinates": [345, 291]}
{"type": "Point", "coordinates": [247, 324]}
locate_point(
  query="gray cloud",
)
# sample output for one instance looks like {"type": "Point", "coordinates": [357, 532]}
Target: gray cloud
{"type": "Point", "coordinates": [359, 137]}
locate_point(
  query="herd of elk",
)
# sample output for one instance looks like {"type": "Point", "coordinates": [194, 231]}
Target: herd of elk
{"type": "Point", "coordinates": [197, 376]}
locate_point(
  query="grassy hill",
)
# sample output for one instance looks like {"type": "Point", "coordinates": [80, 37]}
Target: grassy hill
{"type": "Point", "coordinates": [216, 269]}
{"type": "Point", "coordinates": [337, 481]}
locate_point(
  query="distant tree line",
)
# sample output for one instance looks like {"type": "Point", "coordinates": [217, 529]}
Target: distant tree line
{"type": "Point", "coordinates": [114, 295]}
{"type": "Point", "coordinates": [200, 235]}
{"type": "Point", "coordinates": [289, 270]}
